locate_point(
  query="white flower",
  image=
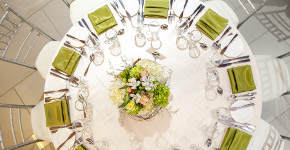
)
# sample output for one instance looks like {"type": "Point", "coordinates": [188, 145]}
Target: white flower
{"type": "Point", "coordinates": [133, 83]}
{"type": "Point", "coordinates": [147, 83]}
{"type": "Point", "coordinates": [136, 97]}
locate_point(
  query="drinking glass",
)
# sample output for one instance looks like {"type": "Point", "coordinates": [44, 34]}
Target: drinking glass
{"type": "Point", "coordinates": [219, 112]}
{"type": "Point", "coordinates": [154, 28]}
{"type": "Point", "coordinates": [92, 43]}
{"type": "Point", "coordinates": [99, 57]}
{"type": "Point", "coordinates": [112, 37]}
{"type": "Point", "coordinates": [89, 110]}
{"type": "Point", "coordinates": [215, 59]}
{"type": "Point", "coordinates": [140, 38]}
{"type": "Point", "coordinates": [212, 76]}
{"type": "Point", "coordinates": [181, 40]}
{"type": "Point", "coordinates": [194, 37]}
{"type": "Point", "coordinates": [78, 125]}
{"type": "Point", "coordinates": [76, 81]}
{"type": "Point", "coordinates": [103, 144]}
{"type": "Point", "coordinates": [210, 92]}
{"type": "Point", "coordinates": [210, 132]}
{"type": "Point", "coordinates": [84, 92]}
{"type": "Point", "coordinates": [88, 134]}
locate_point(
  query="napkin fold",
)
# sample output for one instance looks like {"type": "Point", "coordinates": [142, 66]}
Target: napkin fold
{"type": "Point", "coordinates": [66, 60]}
{"type": "Point", "coordinates": [81, 147]}
{"type": "Point", "coordinates": [102, 19]}
{"type": "Point", "coordinates": [211, 24]}
{"type": "Point", "coordinates": [57, 113]}
{"type": "Point", "coordinates": [156, 8]}
{"type": "Point", "coordinates": [241, 79]}
{"type": "Point", "coordinates": [235, 140]}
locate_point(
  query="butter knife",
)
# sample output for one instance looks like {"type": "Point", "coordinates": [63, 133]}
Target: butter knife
{"type": "Point", "coordinates": [127, 13]}
{"type": "Point", "coordinates": [228, 64]}
{"type": "Point", "coordinates": [228, 60]}
{"type": "Point", "coordinates": [181, 15]}
{"type": "Point", "coordinates": [240, 107]}
{"type": "Point", "coordinates": [225, 48]}
{"type": "Point", "coordinates": [69, 137]}
{"type": "Point", "coordinates": [236, 126]}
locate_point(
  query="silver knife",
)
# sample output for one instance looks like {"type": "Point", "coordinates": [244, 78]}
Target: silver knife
{"type": "Point", "coordinates": [233, 121]}
{"type": "Point", "coordinates": [236, 126]}
{"type": "Point", "coordinates": [181, 15]}
{"type": "Point", "coordinates": [120, 15]}
{"type": "Point", "coordinates": [228, 60]}
{"type": "Point", "coordinates": [191, 21]}
{"type": "Point", "coordinates": [127, 13]}
{"type": "Point", "coordinates": [142, 10]}
{"type": "Point", "coordinates": [225, 48]}
{"type": "Point", "coordinates": [239, 107]}
{"type": "Point", "coordinates": [188, 19]}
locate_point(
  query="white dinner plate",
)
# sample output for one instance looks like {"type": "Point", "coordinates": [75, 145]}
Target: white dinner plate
{"type": "Point", "coordinates": [235, 48]}
{"type": "Point", "coordinates": [131, 6]}
{"type": "Point", "coordinates": [242, 115]}
{"type": "Point", "coordinates": [78, 32]}
{"type": "Point", "coordinates": [190, 7]}
{"type": "Point", "coordinates": [61, 135]}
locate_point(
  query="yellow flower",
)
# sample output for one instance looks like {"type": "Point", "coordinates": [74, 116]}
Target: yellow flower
{"type": "Point", "coordinates": [130, 106]}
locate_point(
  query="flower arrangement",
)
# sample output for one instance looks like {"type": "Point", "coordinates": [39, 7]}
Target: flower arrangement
{"type": "Point", "coordinates": [141, 88]}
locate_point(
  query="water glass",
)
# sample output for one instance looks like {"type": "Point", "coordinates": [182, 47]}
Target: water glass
{"type": "Point", "coordinates": [194, 37]}
{"type": "Point", "coordinates": [87, 134]}
{"type": "Point", "coordinates": [76, 81]}
{"type": "Point", "coordinates": [181, 40]}
{"type": "Point", "coordinates": [219, 112]}
{"type": "Point", "coordinates": [84, 92]}
{"type": "Point", "coordinates": [99, 57]}
{"type": "Point", "coordinates": [112, 37]}
{"type": "Point", "coordinates": [154, 28]}
{"type": "Point", "coordinates": [194, 147]}
{"type": "Point", "coordinates": [210, 92]}
{"type": "Point", "coordinates": [103, 144]}
{"type": "Point", "coordinates": [140, 38]}
{"type": "Point", "coordinates": [89, 110]}
{"type": "Point", "coordinates": [78, 125]}
{"type": "Point", "coordinates": [214, 59]}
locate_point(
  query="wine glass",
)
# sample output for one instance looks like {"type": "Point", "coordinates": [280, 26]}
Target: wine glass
{"type": "Point", "coordinates": [154, 28]}
{"type": "Point", "coordinates": [215, 59]}
{"type": "Point", "coordinates": [194, 37]}
{"type": "Point", "coordinates": [87, 134]}
{"type": "Point", "coordinates": [78, 125]}
{"type": "Point", "coordinates": [181, 40]}
{"type": "Point", "coordinates": [84, 92]}
{"type": "Point", "coordinates": [99, 57]}
{"type": "Point", "coordinates": [75, 81]}
{"type": "Point", "coordinates": [140, 38]}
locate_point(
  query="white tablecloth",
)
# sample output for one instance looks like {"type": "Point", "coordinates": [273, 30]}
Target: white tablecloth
{"type": "Point", "coordinates": [187, 88]}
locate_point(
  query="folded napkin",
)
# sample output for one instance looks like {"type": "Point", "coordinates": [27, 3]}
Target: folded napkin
{"type": "Point", "coordinates": [235, 140]}
{"type": "Point", "coordinates": [211, 24]}
{"type": "Point", "coordinates": [102, 19]}
{"type": "Point", "coordinates": [57, 113]}
{"type": "Point", "coordinates": [81, 147]}
{"type": "Point", "coordinates": [156, 8]}
{"type": "Point", "coordinates": [241, 79]}
{"type": "Point", "coordinates": [66, 60]}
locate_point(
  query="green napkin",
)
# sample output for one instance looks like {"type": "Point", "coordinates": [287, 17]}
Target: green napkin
{"type": "Point", "coordinates": [156, 8]}
{"type": "Point", "coordinates": [102, 19]}
{"type": "Point", "coordinates": [81, 147]}
{"type": "Point", "coordinates": [241, 79]}
{"type": "Point", "coordinates": [57, 113]}
{"type": "Point", "coordinates": [235, 140]}
{"type": "Point", "coordinates": [211, 24]}
{"type": "Point", "coordinates": [66, 60]}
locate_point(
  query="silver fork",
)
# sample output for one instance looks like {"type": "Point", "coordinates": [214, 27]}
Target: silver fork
{"type": "Point", "coordinates": [118, 12]}
{"type": "Point", "coordinates": [170, 16]}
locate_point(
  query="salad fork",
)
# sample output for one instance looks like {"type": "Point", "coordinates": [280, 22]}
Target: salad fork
{"type": "Point", "coordinates": [216, 44]}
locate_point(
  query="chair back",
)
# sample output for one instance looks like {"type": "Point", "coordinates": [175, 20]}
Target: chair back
{"type": "Point", "coordinates": [251, 8]}
{"type": "Point", "coordinates": [10, 24]}
{"type": "Point", "coordinates": [24, 142]}
{"type": "Point", "coordinates": [68, 2]}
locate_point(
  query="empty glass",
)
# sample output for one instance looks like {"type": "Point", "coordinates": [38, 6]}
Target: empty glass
{"type": "Point", "coordinates": [140, 38]}
{"type": "Point", "coordinates": [89, 110]}
{"type": "Point", "coordinates": [210, 92]}
{"type": "Point", "coordinates": [88, 134]}
{"type": "Point", "coordinates": [76, 81]}
{"type": "Point", "coordinates": [84, 92]}
{"type": "Point", "coordinates": [99, 57]}
{"type": "Point", "coordinates": [78, 125]}
{"type": "Point", "coordinates": [214, 59]}
{"type": "Point", "coordinates": [181, 40]}
{"type": "Point", "coordinates": [219, 112]}
{"type": "Point", "coordinates": [154, 28]}
{"type": "Point", "coordinates": [194, 37]}
{"type": "Point", "coordinates": [112, 37]}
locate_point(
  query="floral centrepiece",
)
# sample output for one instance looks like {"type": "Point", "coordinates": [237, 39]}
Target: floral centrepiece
{"type": "Point", "coordinates": [141, 87]}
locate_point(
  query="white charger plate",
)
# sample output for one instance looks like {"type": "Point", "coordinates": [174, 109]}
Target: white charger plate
{"type": "Point", "coordinates": [190, 7]}
{"type": "Point", "coordinates": [131, 6]}
{"type": "Point", "coordinates": [235, 48]}
{"type": "Point", "coordinates": [242, 115]}
{"type": "Point", "coordinates": [60, 136]}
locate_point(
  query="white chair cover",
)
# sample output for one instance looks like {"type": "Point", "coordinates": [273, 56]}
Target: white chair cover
{"type": "Point", "coordinates": [274, 76]}
{"type": "Point", "coordinates": [266, 137]}
{"type": "Point", "coordinates": [44, 58]}
{"type": "Point", "coordinates": [79, 8]}
{"type": "Point", "coordinates": [38, 122]}
{"type": "Point", "coordinates": [223, 9]}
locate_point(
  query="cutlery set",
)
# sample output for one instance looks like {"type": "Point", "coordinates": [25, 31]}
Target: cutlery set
{"type": "Point", "coordinates": [188, 22]}
{"type": "Point", "coordinates": [115, 6]}
{"type": "Point", "coordinates": [225, 48]}
{"type": "Point", "coordinates": [69, 126]}
{"type": "Point", "coordinates": [216, 44]}
{"type": "Point", "coordinates": [227, 62]}
{"type": "Point", "coordinates": [64, 76]}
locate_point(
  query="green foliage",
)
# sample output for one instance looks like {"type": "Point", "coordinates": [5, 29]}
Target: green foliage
{"type": "Point", "coordinates": [134, 72]}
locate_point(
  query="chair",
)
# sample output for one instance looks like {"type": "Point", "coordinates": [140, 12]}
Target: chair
{"type": "Point", "coordinates": [79, 8]}
{"type": "Point", "coordinates": [38, 123]}
{"type": "Point", "coordinates": [8, 32]}
{"type": "Point", "coordinates": [266, 137]}
{"type": "Point", "coordinates": [225, 10]}
{"type": "Point", "coordinates": [274, 76]}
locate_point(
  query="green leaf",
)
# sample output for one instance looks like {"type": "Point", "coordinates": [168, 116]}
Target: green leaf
{"type": "Point", "coordinates": [124, 87]}
{"type": "Point", "coordinates": [124, 104]}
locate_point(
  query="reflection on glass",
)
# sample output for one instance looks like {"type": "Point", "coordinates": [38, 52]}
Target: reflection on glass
{"type": "Point", "coordinates": [112, 37]}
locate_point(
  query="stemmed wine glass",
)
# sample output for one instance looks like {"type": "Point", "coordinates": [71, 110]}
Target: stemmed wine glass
{"type": "Point", "coordinates": [194, 37]}
{"type": "Point", "coordinates": [181, 40]}
{"type": "Point", "coordinates": [112, 37]}
{"type": "Point", "coordinates": [140, 38]}
{"type": "Point", "coordinates": [154, 28]}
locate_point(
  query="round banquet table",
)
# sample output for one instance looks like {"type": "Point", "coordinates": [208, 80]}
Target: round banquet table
{"type": "Point", "coordinates": [187, 88]}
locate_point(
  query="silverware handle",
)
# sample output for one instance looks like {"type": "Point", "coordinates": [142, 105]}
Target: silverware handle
{"type": "Point", "coordinates": [228, 29]}
{"type": "Point", "coordinates": [61, 90]}
{"type": "Point", "coordinates": [241, 61]}
{"type": "Point", "coordinates": [246, 129]}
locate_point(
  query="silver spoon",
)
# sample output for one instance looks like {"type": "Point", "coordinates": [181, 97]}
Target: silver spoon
{"type": "Point", "coordinates": [203, 46]}
{"type": "Point", "coordinates": [92, 58]}
{"type": "Point", "coordinates": [220, 90]}
{"type": "Point", "coordinates": [164, 27]}
{"type": "Point", "coordinates": [121, 32]}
